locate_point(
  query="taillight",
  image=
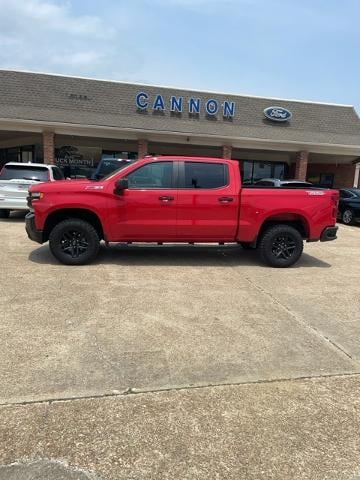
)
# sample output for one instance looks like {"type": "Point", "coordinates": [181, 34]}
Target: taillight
{"type": "Point", "coordinates": [335, 198]}
{"type": "Point", "coordinates": [335, 201]}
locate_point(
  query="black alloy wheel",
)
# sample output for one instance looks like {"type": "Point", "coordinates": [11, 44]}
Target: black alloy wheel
{"type": "Point", "coordinates": [74, 242]}
{"type": "Point", "coordinates": [347, 216]}
{"type": "Point", "coordinates": [281, 246]}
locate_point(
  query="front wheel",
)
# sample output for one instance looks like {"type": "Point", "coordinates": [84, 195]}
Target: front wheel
{"type": "Point", "coordinates": [74, 242]}
{"type": "Point", "coordinates": [281, 246]}
{"type": "Point", "coordinates": [347, 217]}
{"type": "Point", "coordinates": [4, 213]}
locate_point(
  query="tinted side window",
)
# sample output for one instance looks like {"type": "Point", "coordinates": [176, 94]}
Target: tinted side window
{"type": "Point", "coordinates": [57, 173]}
{"type": "Point", "coordinates": [345, 194]}
{"type": "Point", "coordinates": [153, 175]}
{"type": "Point", "coordinates": [205, 175]}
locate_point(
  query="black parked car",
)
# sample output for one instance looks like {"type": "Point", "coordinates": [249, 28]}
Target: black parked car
{"type": "Point", "coordinates": [109, 165]}
{"type": "Point", "coordinates": [349, 205]}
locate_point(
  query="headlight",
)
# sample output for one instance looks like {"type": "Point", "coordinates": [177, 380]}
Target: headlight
{"type": "Point", "coordinates": [33, 196]}
{"type": "Point", "coordinates": [36, 195]}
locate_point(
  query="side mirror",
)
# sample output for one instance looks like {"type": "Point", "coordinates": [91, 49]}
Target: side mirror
{"type": "Point", "coordinates": [121, 185]}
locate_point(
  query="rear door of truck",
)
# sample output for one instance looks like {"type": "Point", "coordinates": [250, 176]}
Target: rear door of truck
{"type": "Point", "coordinates": [208, 200]}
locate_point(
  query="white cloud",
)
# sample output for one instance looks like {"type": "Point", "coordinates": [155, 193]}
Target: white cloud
{"type": "Point", "coordinates": [49, 16]}
{"type": "Point", "coordinates": [45, 35]}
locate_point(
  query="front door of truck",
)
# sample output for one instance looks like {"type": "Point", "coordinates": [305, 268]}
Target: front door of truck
{"type": "Point", "coordinates": [146, 211]}
{"type": "Point", "coordinates": [208, 202]}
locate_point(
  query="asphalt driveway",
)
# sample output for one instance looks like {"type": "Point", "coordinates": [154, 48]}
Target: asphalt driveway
{"type": "Point", "coordinates": [77, 344]}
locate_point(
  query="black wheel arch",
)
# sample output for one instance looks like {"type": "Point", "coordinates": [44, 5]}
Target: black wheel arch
{"type": "Point", "coordinates": [77, 213]}
{"type": "Point", "coordinates": [293, 220]}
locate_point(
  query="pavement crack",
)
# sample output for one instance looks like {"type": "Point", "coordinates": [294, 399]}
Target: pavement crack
{"type": "Point", "coordinates": [129, 392]}
{"type": "Point", "coordinates": [299, 319]}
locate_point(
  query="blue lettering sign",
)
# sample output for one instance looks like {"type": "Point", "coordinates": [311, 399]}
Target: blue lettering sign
{"type": "Point", "coordinates": [159, 103]}
{"type": "Point", "coordinates": [228, 109]}
{"type": "Point", "coordinates": [176, 104]}
{"type": "Point", "coordinates": [194, 105]}
{"type": "Point", "coordinates": [141, 100]}
{"type": "Point", "coordinates": [212, 107]}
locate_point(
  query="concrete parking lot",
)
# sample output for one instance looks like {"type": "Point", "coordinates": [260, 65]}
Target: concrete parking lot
{"type": "Point", "coordinates": [179, 362]}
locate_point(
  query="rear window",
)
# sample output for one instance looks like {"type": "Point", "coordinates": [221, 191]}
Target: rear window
{"type": "Point", "coordinates": [14, 172]}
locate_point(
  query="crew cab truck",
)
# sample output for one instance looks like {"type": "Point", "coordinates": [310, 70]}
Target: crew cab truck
{"type": "Point", "coordinates": [179, 199]}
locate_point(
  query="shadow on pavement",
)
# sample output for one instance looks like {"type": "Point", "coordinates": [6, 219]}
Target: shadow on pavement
{"type": "Point", "coordinates": [206, 256]}
{"type": "Point", "coordinates": [15, 217]}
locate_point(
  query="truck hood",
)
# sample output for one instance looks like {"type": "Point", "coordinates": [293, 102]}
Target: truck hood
{"type": "Point", "coordinates": [67, 186]}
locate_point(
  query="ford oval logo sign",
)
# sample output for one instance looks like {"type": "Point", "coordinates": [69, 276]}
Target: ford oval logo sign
{"type": "Point", "coordinates": [277, 114]}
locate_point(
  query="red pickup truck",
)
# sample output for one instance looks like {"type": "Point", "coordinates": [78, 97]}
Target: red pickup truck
{"type": "Point", "coordinates": [178, 199]}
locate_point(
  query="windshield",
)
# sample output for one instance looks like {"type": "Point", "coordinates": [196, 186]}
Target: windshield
{"type": "Point", "coordinates": [15, 172]}
{"type": "Point", "coordinates": [356, 191]}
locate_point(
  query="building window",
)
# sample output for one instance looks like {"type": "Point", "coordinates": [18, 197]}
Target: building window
{"type": "Point", "coordinates": [325, 180]}
{"type": "Point", "coordinates": [117, 154]}
{"type": "Point", "coordinates": [22, 154]}
{"type": "Point", "coordinates": [254, 170]}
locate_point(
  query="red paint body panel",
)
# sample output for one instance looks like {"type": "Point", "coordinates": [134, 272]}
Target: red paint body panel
{"type": "Point", "coordinates": [192, 214]}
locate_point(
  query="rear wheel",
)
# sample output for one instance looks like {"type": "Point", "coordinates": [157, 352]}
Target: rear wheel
{"type": "Point", "coordinates": [347, 217]}
{"type": "Point", "coordinates": [4, 213]}
{"type": "Point", "coordinates": [74, 242]}
{"type": "Point", "coordinates": [281, 246]}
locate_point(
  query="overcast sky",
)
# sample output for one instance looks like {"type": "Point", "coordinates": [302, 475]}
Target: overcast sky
{"type": "Point", "coordinates": [305, 49]}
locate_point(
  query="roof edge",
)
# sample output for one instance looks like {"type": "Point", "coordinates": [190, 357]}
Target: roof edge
{"type": "Point", "coordinates": [180, 88]}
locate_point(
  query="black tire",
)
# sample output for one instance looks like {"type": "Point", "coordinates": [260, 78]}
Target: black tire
{"type": "Point", "coordinates": [280, 246]}
{"type": "Point", "coordinates": [74, 242]}
{"type": "Point", "coordinates": [4, 213]}
{"type": "Point", "coordinates": [347, 216]}
{"type": "Point", "coordinates": [247, 246]}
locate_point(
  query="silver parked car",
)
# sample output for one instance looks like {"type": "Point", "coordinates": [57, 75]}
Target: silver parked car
{"type": "Point", "coordinates": [276, 182]}
{"type": "Point", "coordinates": [15, 180]}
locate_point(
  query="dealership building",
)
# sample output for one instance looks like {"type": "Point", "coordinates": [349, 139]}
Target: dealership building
{"type": "Point", "coordinates": [75, 122]}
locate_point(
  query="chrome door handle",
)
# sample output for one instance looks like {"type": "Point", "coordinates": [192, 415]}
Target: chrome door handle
{"type": "Point", "coordinates": [225, 199]}
{"type": "Point", "coordinates": [166, 198]}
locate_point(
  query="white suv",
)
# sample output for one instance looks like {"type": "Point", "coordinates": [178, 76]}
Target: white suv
{"type": "Point", "coordinates": [15, 180]}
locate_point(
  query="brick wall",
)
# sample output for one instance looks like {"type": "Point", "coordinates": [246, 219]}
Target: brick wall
{"type": "Point", "coordinates": [343, 173]}
{"type": "Point", "coordinates": [227, 152]}
{"type": "Point", "coordinates": [142, 148]}
{"type": "Point", "coordinates": [49, 147]}
{"type": "Point", "coordinates": [301, 165]}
